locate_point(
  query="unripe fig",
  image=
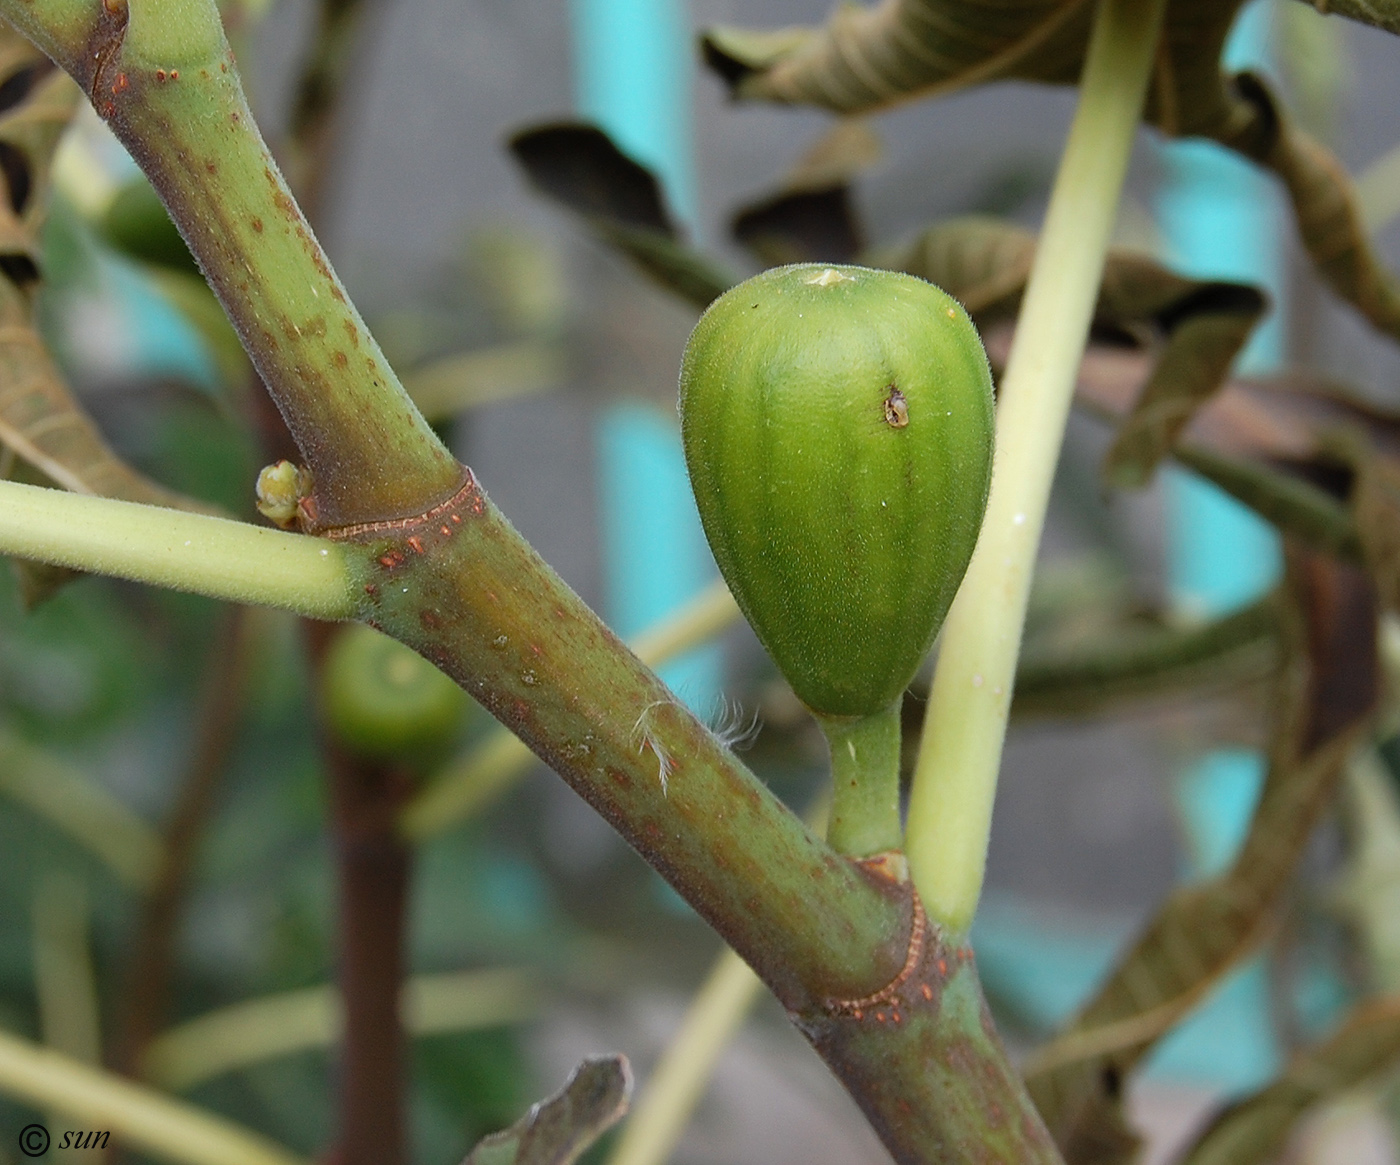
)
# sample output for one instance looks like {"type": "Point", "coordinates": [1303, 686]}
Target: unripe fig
{"type": "Point", "coordinates": [382, 700]}
{"type": "Point", "coordinates": [136, 222]}
{"type": "Point", "coordinates": [838, 429]}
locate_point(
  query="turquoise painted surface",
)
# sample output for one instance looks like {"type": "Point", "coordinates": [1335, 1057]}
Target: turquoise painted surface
{"type": "Point", "coordinates": [633, 71]}
{"type": "Point", "coordinates": [654, 550]}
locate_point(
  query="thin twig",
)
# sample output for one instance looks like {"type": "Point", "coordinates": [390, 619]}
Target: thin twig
{"type": "Point", "coordinates": [152, 968]}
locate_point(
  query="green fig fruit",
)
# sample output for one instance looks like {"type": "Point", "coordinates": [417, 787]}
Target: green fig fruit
{"type": "Point", "coordinates": [137, 224]}
{"type": "Point", "coordinates": [838, 428]}
{"type": "Point", "coordinates": [382, 700]}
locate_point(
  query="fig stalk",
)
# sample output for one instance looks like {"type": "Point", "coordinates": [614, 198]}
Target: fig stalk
{"type": "Point", "coordinates": [864, 782]}
{"type": "Point", "coordinates": [960, 752]}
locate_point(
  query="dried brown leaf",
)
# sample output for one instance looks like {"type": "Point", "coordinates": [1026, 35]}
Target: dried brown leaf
{"type": "Point", "coordinates": [810, 216]}
{"type": "Point", "coordinates": [1375, 503]}
{"type": "Point", "coordinates": [868, 58]}
{"type": "Point", "coordinates": [1200, 325]}
{"type": "Point", "coordinates": [558, 1130]}
{"type": "Point", "coordinates": [40, 421]}
{"type": "Point", "coordinates": [1192, 366]}
{"type": "Point", "coordinates": [579, 166]}
{"type": "Point", "coordinates": [1253, 1131]}
{"type": "Point", "coordinates": [1328, 690]}
{"type": "Point", "coordinates": [1380, 13]}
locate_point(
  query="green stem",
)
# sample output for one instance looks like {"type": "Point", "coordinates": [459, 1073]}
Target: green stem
{"type": "Point", "coordinates": [864, 782]}
{"type": "Point", "coordinates": [682, 1074]}
{"type": "Point", "coordinates": [684, 1070]}
{"type": "Point", "coordinates": [233, 561]}
{"type": "Point", "coordinates": [466, 786]}
{"type": "Point", "coordinates": [79, 806]}
{"type": "Point", "coordinates": [140, 1118]}
{"type": "Point", "coordinates": [1298, 508]}
{"type": "Point", "coordinates": [964, 730]}
{"type": "Point", "coordinates": [161, 74]}
{"type": "Point", "coordinates": [1120, 667]}
{"type": "Point", "coordinates": [270, 1027]}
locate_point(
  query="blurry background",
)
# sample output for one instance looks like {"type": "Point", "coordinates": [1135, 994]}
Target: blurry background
{"type": "Point", "coordinates": [449, 253]}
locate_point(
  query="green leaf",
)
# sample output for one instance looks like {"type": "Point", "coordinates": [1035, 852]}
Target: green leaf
{"type": "Point", "coordinates": [1328, 690]}
{"type": "Point", "coordinates": [579, 166]}
{"type": "Point", "coordinates": [558, 1130]}
{"type": "Point", "coordinates": [1253, 1131]}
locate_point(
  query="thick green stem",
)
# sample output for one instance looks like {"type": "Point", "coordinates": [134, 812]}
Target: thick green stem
{"type": "Point", "coordinates": [843, 945]}
{"type": "Point", "coordinates": [234, 561]}
{"type": "Point", "coordinates": [960, 753]}
{"type": "Point", "coordinates": [466, 786]}
{"type": "Point", "coordinates": [460, 587]}
{"type": "Point", "coordinates": [864, 782]}
{"type": "Point", "coordinates": [160, 72]}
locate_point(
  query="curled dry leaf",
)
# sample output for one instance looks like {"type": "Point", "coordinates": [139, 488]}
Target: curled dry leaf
{"type": "Point", "coordinates": [810, 217]}
{"type": "Point", "coordinates": [1379, 13]}
{"type": "Point", "coordinates": [40, 421]}
{"type": "Point", "coordinates": [1254, 1130]}
{"type": "Point", "coordinates": [1119, 668]}
{"type": "Point", "coordinates": [1376, 506]}
{"type": "Point", "coordinates": [558, 1130]}
{"type": "Point", "coordinates": [1274, 444]}
{"type": "Point", "coordinates": [577, 165]}
{"type": "Point", "coordinates": [1328, 690]}
{"type": "Point", "coordinates": [1199, 325]}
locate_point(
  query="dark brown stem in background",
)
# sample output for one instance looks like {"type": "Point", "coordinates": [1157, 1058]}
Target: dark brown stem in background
{"type": "Point", "coordinates": [373, 865]}
{"type": "Point", "coordinates": [318, 107]}
{"type": "Point", "coordinates": [372, 876]}
{"type": "Point", "coordinates": [153, 964]}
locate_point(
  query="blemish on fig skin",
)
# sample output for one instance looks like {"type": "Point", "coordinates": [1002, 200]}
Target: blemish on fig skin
{"type": "Point", "coordinates": [258, 225]}
{"type": "Point", "coordinates": [829, 278]}
{"type": "Point", "coordinates": [896, 409]}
